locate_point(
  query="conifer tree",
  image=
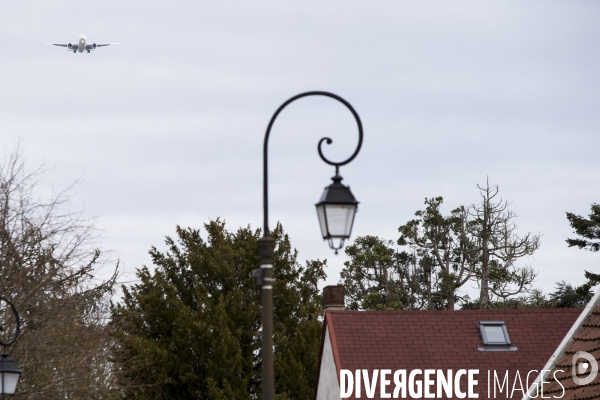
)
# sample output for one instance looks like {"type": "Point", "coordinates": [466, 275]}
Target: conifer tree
{"type": "Point", "coordinates": [443, 247]}
{"type": "Point", "coordinates": [589, 229]}
{"type": "Point", "coordinates": [377, 277]}
{"type": "Point", "coordinates": [478, 243]}
{"type": "Point", "coordinates": [190, 329]}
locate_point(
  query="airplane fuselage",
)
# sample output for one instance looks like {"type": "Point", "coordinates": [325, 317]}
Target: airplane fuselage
{"type": "Point", "coordinates": [81, 47]}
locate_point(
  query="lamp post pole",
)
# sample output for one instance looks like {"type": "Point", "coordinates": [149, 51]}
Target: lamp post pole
{"type": "Point", "coordinates": [264, 275]}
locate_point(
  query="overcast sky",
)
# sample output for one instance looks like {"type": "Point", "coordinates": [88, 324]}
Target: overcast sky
{"type": "Point", "coordinates": [167, 128]}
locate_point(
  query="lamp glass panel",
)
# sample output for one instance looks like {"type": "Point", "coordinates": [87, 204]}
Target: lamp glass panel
{"type": "Point", "coordinates": [322, 220]}
{"type": "Point", "coordinates": [339, 219]}
{"type": "Point", "coordinates": [336, 243]}
{"type": "Point", "coordinates": [8, 383]}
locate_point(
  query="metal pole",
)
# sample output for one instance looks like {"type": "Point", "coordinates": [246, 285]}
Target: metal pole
{"type": "Point", "coordinates": [264, 275]}
{"type": "Point", "coordinates": [266, 245]}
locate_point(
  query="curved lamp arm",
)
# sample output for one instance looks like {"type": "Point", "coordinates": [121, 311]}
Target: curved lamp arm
{"type": "Point", "coordinates": [325, 139]}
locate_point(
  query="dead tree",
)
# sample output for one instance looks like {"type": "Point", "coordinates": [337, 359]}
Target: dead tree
{"type": "Point", "coordinates": [48, 263]}
{"type": "Point", "coordinates": [497, 248]}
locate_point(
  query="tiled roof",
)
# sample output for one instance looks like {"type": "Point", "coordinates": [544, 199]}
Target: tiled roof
{"type": "Point", "coordinates": [446, 340]}
{"type": "Point", "coordinates": [587, 339]}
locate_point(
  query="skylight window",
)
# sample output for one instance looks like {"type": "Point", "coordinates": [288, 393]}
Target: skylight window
{"type": "Point", "coordinates": [495, 336]}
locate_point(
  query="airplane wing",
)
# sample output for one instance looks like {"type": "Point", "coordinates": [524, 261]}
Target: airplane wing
{"type": "Point", "coordinates": [73, 46]}
{"type": "Point", "coordinates": [92, 46]}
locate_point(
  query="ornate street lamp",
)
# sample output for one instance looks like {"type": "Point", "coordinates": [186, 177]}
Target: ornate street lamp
{"type": "Point", "coordinates": [335, 210]}
{"type": "Point", "coordinates": [9, 371]}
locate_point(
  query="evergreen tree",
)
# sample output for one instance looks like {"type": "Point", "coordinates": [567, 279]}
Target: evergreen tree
{"type": "Point", "coordinates": [478, 243]}
{"type": "Point", "coordinates": [534, 299]}
{"type": "Point", "coordinates": [443, 249]}
{"type": "Point", "coordinates": [566, 296]}
{"type": "Point", "coordinates": [379, 278]}
{"type": "Point", "coordinates": [191, 328]}
{"type": "Point", "coordinates": [589, 229]}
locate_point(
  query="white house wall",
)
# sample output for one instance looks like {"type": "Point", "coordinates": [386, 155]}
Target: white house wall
{"type": "Point", "coordinates": [328, 386]}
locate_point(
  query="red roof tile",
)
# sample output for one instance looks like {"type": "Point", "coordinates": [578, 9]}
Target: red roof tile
{"type": "Point", "coordinates": [587, 339]}
{"type": "Point", "coordinates": [446, 340]}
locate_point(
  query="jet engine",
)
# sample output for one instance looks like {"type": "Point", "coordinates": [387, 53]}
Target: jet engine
{"type": "Point", "coordinates": [69, 45]}
{"type": "Point", "coordinates": [94, 45]}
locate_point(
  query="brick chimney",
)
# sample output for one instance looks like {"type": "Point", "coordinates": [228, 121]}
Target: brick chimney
{"type": "Point", "coordinates": [333, 298]}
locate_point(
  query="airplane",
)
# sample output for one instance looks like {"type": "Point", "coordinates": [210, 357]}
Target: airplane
{"type": "Point", "coordinates": [81, 46]}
